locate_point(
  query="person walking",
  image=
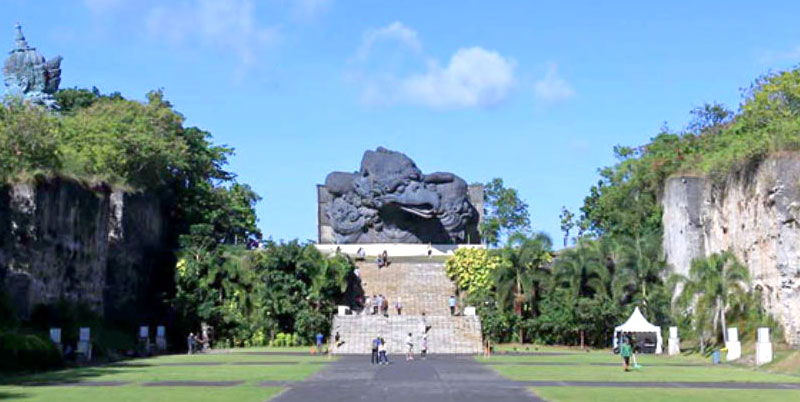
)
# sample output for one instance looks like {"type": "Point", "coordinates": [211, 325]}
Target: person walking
{"type": "Point", "coordinates": [452, 303]}
{"type": "Point", "coordinates": [337, 340]}
{"type": "Point", "coordinates": [320, 338]}
{"type": "Point", "coordinates": [376, 343]}
{"type": "Point", "coordinates": [410, 347]}
{"type": "Point", "coordinates": [190, 342]}
{"type": "Point", "coordinates": [367, 305]}
{"type": "Point", "coordinates": [424, 346]}
{"type": "Point", "coordinates": [382, 352]}
{"type": "Point", "coordinates": [385, 306]}
{"type": "Point", "coordinates": [626, 351]}
{"type": "Point", "coordinates": [398, 305]}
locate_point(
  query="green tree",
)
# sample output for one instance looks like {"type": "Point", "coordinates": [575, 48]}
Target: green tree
{"type": "Point", "coordinates": [472, 269]}
{"type": "Point", "coordinates": [638, 266]}
{"type": "Point", "coordinates": [582, 270]}
{"type": "Point", "coordinates": [30, 140]}
{"type": "Point", "coordinates": [504, 212]}
{"type": "Point", "coordinates": [524, 272]}
{"type": "Point", "coordinates": [567, 223]}
{"type": "Point", "coordinates": [127, 141]}
{"type": "Point", "coordinates": [714, 283]}
{"type": "Point", "coordinates": [709, 116]}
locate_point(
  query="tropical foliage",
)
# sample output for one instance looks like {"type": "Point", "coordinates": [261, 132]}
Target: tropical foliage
{"type": "Point", "coordinates": [714, 284]}
{"type": "Point", "coordinates": [717, 143]}
{"type": "Point", "coordinates": [251, 296]}
{"type": "Point", "coordinates": [504, 212]}
{"type": "Point", "coordinates": [472, 268]}
{"type": "Point", "coordinates": [612, 257]}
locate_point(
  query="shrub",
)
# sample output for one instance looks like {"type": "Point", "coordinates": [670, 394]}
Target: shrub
{"type": "Point", "coordinates": [27, 352]}
{"type": "Point", "coordinates": [472, 269]}
{"type": "Point", "coordinates": [283, 339]}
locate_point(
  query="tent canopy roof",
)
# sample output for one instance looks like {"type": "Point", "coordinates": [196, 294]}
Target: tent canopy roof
{"type": "Point", "coordinates": [637, 323]}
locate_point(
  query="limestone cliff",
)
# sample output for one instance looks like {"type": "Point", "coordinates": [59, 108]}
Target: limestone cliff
{"type": "Point", "coordinates": [756, 215]}
{"type": "Point", "coordinates": [107, 249]}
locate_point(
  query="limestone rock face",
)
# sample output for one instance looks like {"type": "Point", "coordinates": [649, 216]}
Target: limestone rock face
{"type": "Point", "coordinates": [60, 240]}
{"type": "Point", "coordinates": [756, 215]}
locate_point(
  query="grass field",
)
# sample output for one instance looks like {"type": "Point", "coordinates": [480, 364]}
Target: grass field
{"type": "Point", "coordinates": [244, 365]}
{"type": "Point", "coordinates": [602, 394]}
{"type": "Point", "coordinates": [570, 364]}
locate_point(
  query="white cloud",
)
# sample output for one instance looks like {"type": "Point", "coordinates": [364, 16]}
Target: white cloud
{"type": "Point", "coordinates": [474, 77]}
{"type": "Point", "coordinates": [227, 25]}
{"type": "Point", "coordinates": [552, 88]}
{"type": "Point", "coordinates": [395, 31]}
{"type": "Point", "coordinates": [309, 9]}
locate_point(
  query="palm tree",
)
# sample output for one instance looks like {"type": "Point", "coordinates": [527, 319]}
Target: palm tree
{"type": "Point", "coordinates": [520, 278]}
{"type": "Point", "coordinates": [638, 263]}
{"type": "Point", "coordinates": [584, 271]}
{"type": "Point", "coordinates": [714, 283]}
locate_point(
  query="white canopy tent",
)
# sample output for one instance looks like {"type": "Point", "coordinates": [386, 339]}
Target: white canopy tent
{"type": "Point", "coordinates": [642, 329]}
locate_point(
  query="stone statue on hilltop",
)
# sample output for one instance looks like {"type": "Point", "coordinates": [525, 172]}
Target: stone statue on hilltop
{"type": "Point", "coordinates": [390, 200]}
{"type": "Point", "coordinates": [28, 75]}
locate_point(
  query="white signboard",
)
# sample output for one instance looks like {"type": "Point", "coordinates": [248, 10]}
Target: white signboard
{"type": "Point", "coordinates": [161, 331]}
{"type": "Point", "coordinates": [673, 332]}
{"type": "Point", "coordinates": [763, 335]}
{"type": "Point", "coordinates": [85, 334]}
{"type": "Point", "coordinates": [55, 335]}
{"type": "Point", "coordinates": [733, 335]}
{"type": "Point", "coordinates": [144, 331]}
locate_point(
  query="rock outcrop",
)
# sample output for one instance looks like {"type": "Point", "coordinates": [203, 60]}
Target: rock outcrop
{"type": "Point", "coordinates": [107, 249]}
{"type": "Point", "coordinates": [756, 215]}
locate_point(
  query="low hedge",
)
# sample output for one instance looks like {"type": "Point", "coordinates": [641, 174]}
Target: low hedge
{"type": "Point", "coordinates": [24, 352]}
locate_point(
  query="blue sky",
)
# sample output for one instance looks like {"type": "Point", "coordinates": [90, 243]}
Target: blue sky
{"type": "Point", "coordinates": [536, 93]}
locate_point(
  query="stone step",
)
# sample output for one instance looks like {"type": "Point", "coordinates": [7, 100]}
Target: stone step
{"type": "Point", "coordinates": [423, 287]}
{"type": "Point", "coordinates": [458, 334]}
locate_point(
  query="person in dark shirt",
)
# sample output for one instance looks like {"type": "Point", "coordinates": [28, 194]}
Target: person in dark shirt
{"type": "Point", "coordinates": [626, 351]}
{"type": "Point", "coordinates": [376, 343]}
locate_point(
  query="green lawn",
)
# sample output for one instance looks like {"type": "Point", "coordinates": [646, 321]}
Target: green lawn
{"type": "Point", "coordinates": [135, 393]}
{"type": "Point", "coordinates": [655, 368]}
{"type": "Point", "coordinates": [164, 368]}
{"type": "Point", "coordinates": [602, 394]}
{"type": "Point", "coordinates": [602, 366]}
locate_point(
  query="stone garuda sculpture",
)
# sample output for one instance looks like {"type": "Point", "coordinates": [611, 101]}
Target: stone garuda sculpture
{"type": "Point", "coordinates": [28, 75]}
{"type": "Point", "coordinates": [390, 200]}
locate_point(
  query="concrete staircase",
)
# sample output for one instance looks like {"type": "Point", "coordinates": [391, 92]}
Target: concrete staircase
{"type": "Point", "coordinates": [423, 286]}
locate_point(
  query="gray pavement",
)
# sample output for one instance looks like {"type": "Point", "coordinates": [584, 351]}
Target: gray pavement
{"type": "Point", "coordinates": [439, 378]}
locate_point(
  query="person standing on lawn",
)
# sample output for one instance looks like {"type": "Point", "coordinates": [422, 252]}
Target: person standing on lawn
{"type": "Point", "coordinates": [320, 338]}
{"type": "Point", "coordinates": [626, 351]}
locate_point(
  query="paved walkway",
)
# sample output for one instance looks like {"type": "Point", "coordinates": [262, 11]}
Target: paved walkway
{"type": "Point", "coordinates": [440, 378]}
